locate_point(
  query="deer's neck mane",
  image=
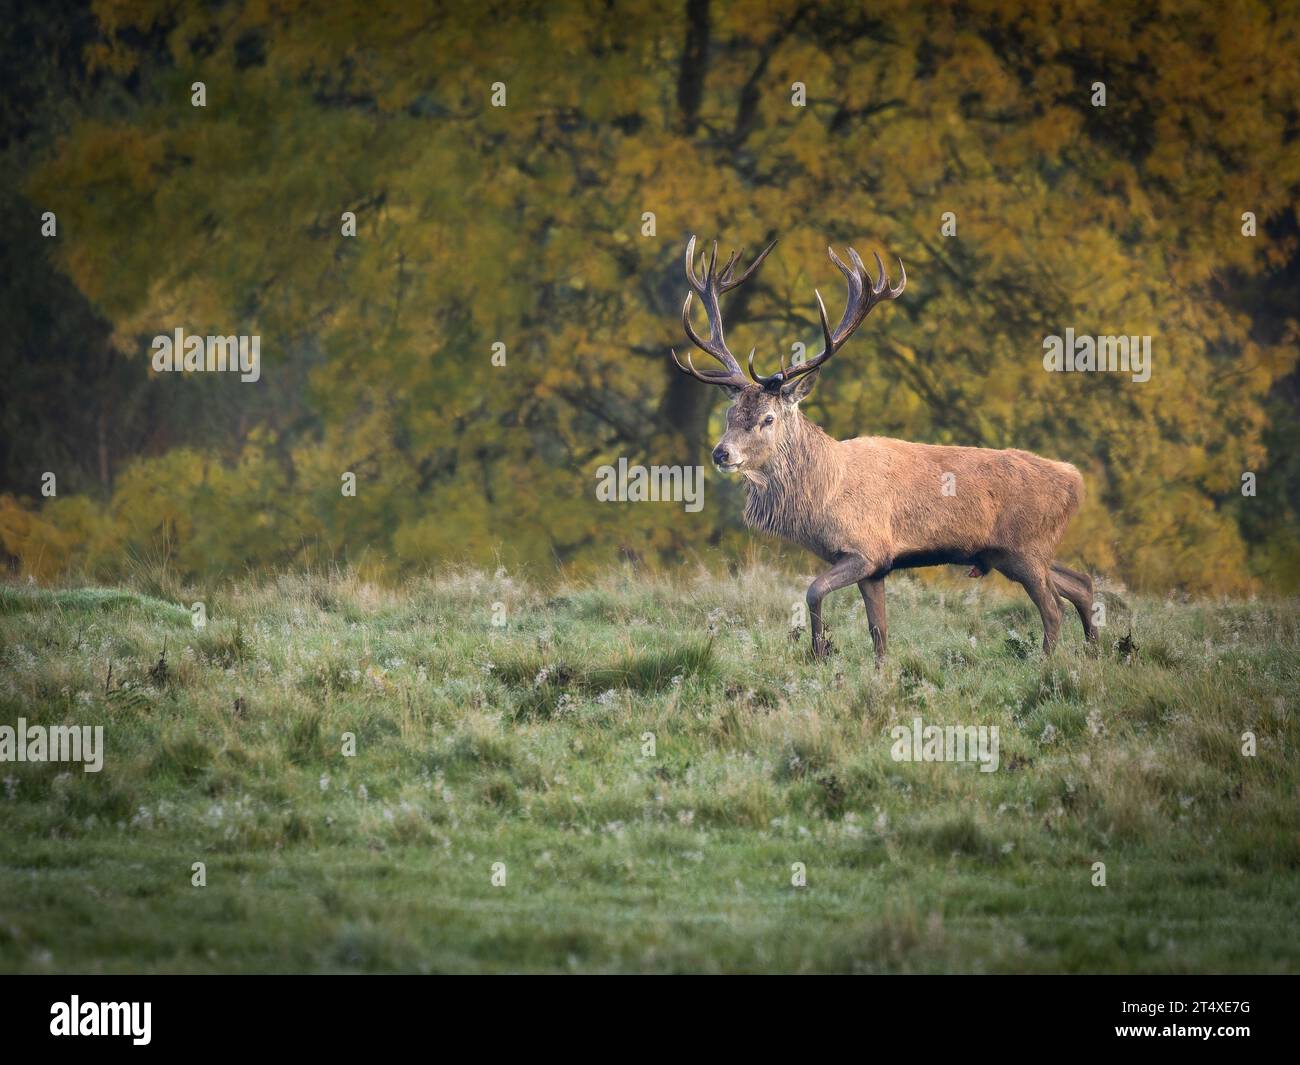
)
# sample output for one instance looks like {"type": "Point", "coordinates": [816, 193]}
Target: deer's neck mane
{"type": "Point", "coordinates": [788, 496]}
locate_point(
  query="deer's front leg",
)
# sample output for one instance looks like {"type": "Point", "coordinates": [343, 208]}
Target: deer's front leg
{"type": "Point", "coordinates": [848, 570]}
{"type": "Point", "coordinates": [873, 595]}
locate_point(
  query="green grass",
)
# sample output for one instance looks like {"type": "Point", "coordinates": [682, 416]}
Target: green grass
{"type": "Point", "coordinates": [524, 744]}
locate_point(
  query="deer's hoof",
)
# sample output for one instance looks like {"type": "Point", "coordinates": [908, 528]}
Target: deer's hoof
{"type": "Point", "coordinates": [822, 648]}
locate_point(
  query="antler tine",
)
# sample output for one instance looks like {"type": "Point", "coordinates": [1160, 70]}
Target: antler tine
{"type": "Point", "coordinates": [724, 278]}
{"type": "Point", "coordinates": [879, 285]}
{"type": "Point", "coordinates": [727, 285]}
{"type": "Point", "coordinates": [690, 265]}
{"type": "Point", "coordinates": [709, 377]}
{"type": "Point", "coordinates": [828, 339]}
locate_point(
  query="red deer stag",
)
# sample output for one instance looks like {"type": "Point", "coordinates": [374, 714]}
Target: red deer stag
{"type": "Point", "coordinates": [871, 505]}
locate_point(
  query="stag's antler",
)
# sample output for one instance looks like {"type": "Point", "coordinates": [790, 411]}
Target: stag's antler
{"type": "Point", "coordinates": [710, 285]}
{"type": "Point", "coordinates": [863, 295]}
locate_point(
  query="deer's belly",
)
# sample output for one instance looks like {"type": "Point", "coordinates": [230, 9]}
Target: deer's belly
{"type": "Point", "coordinates": [934, 557]}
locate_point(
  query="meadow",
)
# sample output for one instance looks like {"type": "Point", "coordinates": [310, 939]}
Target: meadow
{"type": "Point", "coordinates": [474, 772]}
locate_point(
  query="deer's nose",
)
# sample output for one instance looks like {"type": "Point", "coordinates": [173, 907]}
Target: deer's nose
{"type": "Point", "coordinates": [721, 455]}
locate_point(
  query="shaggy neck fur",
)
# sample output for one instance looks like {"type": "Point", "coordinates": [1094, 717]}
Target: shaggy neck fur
{"type": "Point", "coordinates": [789, 495]}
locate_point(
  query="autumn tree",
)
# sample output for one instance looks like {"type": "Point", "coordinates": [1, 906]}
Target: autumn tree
{"type": "Point", "coordinates": [523, 178]}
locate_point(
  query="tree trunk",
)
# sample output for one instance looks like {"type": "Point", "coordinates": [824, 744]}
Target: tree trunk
{"type": "Point", "coordinates": [695, 57]}
{"type": "Point", "coordinates": [686, 403]}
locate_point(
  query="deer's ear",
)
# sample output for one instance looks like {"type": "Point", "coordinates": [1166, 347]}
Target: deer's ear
{"type": "Point", "coordinates": [799, 388]}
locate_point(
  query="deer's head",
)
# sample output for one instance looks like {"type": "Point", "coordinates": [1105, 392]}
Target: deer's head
{"type": "Point", "coordinates": [764, 410]}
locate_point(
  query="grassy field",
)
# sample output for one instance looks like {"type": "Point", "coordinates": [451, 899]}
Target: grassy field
{"type": "Point", "coordinates": [528, 744]}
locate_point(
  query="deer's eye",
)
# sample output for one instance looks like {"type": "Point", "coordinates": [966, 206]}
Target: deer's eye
{"type": "Point", "coordinates": [769, 420]}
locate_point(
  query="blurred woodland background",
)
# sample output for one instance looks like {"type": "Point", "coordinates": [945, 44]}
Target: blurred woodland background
{"type": "Point", "coordinates": [524, 225]}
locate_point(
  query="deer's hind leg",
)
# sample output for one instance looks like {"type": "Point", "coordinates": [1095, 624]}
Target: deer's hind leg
{"type": "Point", "coordinates": [1077, 588]}
{"type": "Point", "coordinates": [1035, 578]}
{"type": "Point", "coordinates": [873, 596]}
